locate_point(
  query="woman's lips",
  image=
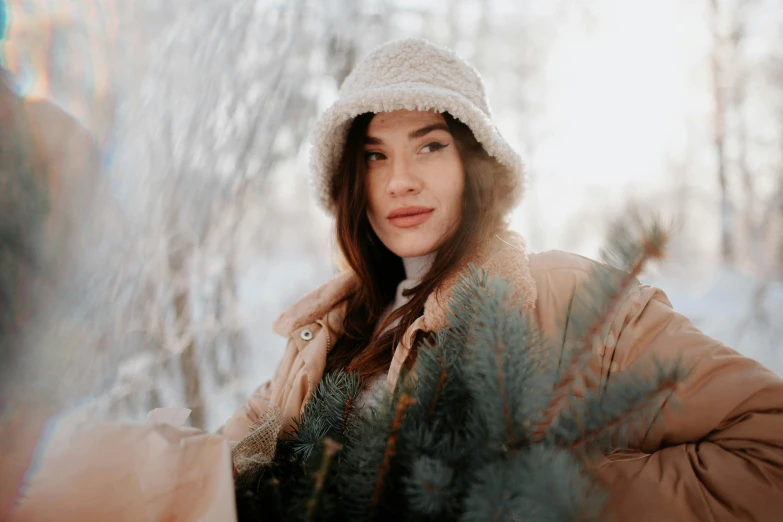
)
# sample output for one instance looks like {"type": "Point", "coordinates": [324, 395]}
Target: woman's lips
{"type": "Point", "coordinates": [410, 217]}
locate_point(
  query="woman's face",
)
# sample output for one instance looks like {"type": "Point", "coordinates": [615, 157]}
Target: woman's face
{"type": "Point", "coordinates": [415, 181]}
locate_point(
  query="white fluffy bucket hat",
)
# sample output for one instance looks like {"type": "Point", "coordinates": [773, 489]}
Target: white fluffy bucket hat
{"type": "Point", "coordinates": [411, 74]}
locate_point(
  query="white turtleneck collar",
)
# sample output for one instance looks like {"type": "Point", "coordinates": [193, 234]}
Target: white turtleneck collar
{"type": "Point", "coordinates": [417, 267]}
{"type": "Point", "coordinates": [415, 270]}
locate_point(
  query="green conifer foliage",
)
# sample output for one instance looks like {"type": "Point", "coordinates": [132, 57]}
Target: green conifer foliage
{"type": "Point", "coordinates": [494, 422]}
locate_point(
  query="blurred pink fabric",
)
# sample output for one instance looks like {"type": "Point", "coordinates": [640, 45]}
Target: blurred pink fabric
{"type": "Point", "coordinates": [142, 472]}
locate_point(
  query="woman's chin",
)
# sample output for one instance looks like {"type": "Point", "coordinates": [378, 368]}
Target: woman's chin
{"type": "Point", "coordinates": [413, 248]}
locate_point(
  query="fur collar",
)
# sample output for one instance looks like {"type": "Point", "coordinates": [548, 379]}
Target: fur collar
{"type": "Point", "coordinates": [502, 255]}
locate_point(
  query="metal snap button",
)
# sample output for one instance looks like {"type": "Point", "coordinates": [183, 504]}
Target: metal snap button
{"type": "Point", "coordinates": [306, 334]}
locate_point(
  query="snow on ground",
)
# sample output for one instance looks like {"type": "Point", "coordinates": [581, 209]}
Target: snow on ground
{"type": "Point", "coordinates": [731, 310]}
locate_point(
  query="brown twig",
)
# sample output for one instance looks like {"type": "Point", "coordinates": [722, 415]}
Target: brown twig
{"type": "Point", "coordinates": [330, 448]}
{"type": "Point", "coordinates": [276, 488]}
{"type": "Point", "coordinates": [666, 385]}
{"type": "Point", "coordinates": [650, 249]}
{"type": "Point", "coordinates": [346, 413]}
{"type": "Point", "coordinates": [434, 403]}
{"type": "Point", "coordinates": [391, 445]}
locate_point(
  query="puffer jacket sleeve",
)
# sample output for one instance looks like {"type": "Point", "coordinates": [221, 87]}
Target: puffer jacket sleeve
{"type": "Point", "coordinates": [716, 452]}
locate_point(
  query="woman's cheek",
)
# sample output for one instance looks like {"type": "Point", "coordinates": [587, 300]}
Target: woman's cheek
{"type": "Point", "coordinates": [374, 192]}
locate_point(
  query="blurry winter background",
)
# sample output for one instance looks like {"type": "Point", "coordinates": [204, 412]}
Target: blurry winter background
{"type": "Point", "coordinates": [202, 109]}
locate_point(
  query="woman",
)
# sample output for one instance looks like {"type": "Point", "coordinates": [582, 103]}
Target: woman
{"type": "Point", "coordinates": [419, 181]}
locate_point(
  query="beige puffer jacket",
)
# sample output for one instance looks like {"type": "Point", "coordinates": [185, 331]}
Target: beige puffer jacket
{"type": "Point", "coordinates": [718, 455]}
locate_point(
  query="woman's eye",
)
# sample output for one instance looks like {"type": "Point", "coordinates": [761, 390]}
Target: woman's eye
{"type": "Point", "coordinates": [433, 147]}
{"type": "Point", "coordinates": [373, 156]}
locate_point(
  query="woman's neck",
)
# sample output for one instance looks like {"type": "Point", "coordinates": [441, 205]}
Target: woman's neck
{"type": "Point", "coordinates": [417, 267]}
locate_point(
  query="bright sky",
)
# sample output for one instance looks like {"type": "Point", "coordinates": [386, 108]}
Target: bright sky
{"type": "Point", "coordinates": [622, 97]}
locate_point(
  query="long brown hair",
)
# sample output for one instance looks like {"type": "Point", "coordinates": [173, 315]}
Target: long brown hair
{"type": "Point", "coordinates": [379, 270]}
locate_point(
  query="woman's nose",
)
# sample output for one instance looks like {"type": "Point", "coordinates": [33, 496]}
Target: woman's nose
{"type": "Point", "coordinates": [404, 180]}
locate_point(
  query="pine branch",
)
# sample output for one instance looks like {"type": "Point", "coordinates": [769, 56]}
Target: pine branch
{"type": "Point", "coordinates": [327, 413]}
{"type": "Point", "coordinates": [453, 442]}
{"type": "Point", "coordinates": [307, 433]}
{"type": "Point", "coordinates": [275, 484]}
{"type": "Point", "coordinates": [665, 386]}
{"type": "Point", "coordinates": [430, 487]}
{"type": "Point", "coordinates": [429, 353]}
{"type": "Point", "coordinates": [652, 247]}
{"type": "Point", "coordinates": [391, 444]}
{"type": "Point", "coordinates": [503, 397]}
{"type": "Point", "coordinates": [605, 420]}
{"type": "Point", "coordinates": [540, 483]}
{"type": "Point", "coordinates": [330, 447]}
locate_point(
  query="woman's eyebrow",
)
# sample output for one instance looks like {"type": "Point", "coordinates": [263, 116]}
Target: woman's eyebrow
{"type": "Point", "coordinates": [418, 133]}
{"type": "Point", "coordinates": [426, 130]}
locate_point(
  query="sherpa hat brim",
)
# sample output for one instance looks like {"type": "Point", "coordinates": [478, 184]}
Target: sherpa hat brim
{"type": "Point", "coordinates": [330, 133]}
